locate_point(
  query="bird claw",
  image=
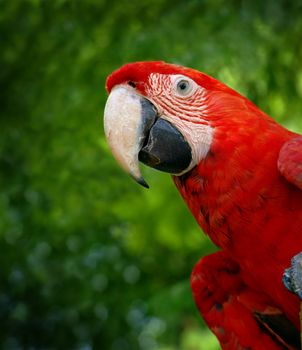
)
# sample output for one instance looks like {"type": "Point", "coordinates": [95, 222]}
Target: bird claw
{"type": "Point", "coordinates": [292, 277]}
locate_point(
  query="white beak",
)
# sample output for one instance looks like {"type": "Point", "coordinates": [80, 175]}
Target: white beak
{"type": "Point", "coordinates": [125, 123]}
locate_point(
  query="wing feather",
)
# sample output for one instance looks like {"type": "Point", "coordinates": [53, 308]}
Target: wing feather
{"type": "Point", "coordinates": [290, 161]}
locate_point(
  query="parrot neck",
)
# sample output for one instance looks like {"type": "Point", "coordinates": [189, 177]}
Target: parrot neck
{"type": "Point", "coordinates": [238, 172]}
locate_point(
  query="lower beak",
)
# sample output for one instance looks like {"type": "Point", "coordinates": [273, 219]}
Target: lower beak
{"type": "Point", "coordinates": [135, 132]}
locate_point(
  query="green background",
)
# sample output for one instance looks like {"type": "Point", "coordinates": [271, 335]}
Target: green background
{"type": "Point", "coordinates": [88, 259]}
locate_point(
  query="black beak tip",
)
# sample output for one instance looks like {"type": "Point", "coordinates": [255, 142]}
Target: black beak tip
{"type": "Point", "coordinates": [142, 182]}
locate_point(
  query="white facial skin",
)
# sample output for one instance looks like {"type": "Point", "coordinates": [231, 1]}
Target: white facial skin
{"type": "Point", "coordinates": [183, 103]}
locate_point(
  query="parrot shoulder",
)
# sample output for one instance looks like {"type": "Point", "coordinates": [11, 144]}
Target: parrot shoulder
{"type": "Point", "coordinates": [290, 161]}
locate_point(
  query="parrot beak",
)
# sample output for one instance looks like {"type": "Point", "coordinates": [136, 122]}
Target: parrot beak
{"type": "Point", "coordinates": [135, 133]}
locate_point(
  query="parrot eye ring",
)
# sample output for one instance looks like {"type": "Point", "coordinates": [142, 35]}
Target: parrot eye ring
{"type": "Point", "coordinates": [184, 87]}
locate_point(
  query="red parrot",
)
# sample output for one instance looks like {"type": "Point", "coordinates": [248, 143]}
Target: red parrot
{"type": "Point", "coordinates": [240, 173]}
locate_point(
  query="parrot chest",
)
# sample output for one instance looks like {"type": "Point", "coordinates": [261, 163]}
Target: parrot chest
{"type": "Point", "coordinates": [249, 217]}
{"type": "Point", "coordinates": [237, 193]}
{"type": "Point", "coordinates": [258, 223]}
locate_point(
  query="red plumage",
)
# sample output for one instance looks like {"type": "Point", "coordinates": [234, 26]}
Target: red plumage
{"type": "Point", "coordinates": [246, 195]}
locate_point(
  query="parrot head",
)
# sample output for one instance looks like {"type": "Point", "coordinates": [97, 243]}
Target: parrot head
{"type": "Point", "coordinates": [165, 116]}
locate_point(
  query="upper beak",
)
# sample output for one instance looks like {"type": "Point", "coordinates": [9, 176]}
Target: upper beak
{"type": "Point", "coordinates": [135, 132]}
{"type": "Point", "coordinates": [127, 120]}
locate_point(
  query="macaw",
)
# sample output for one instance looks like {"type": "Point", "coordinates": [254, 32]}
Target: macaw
{"type": "Point", "coordinates": [240, 173]}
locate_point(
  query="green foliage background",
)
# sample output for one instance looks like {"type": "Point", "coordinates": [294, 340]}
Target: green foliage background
{"type": "Point", "coordinates": [89, 260]}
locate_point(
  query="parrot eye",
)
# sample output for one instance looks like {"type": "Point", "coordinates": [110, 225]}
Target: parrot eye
{"type": "Point", "coordinates": [184, 87]}
{"type": "Point", "coordinates": [132, 84]}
